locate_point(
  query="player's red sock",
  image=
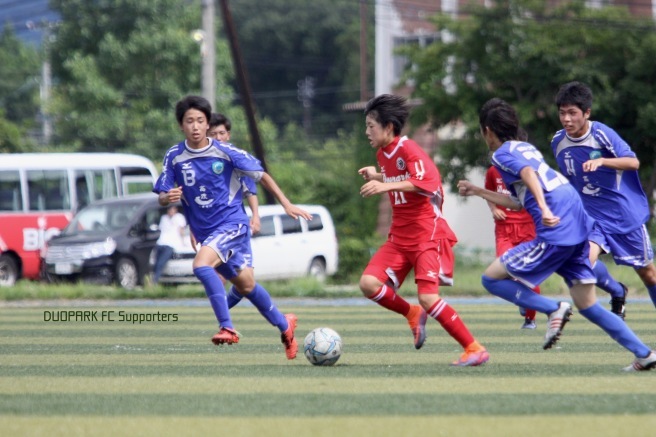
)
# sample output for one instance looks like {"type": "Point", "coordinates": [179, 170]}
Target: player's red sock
{"type": "Point", "coordinates": [451, 322]}
{"type": "Point", "coordinates": [530, 314]}
{"type": "Point", "coordinates": [387, 298]}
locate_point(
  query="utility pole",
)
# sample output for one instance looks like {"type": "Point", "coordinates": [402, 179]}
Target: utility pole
{"type": "Point", "coordinates": [246, 95]}
{"type": "Point", "coordinates": [305, 95]}
{"type": "Point", "coordinates": [46, 77]}
{"type": "Point", "coordinates": [364, 94]}
{"type": "Point", "coordinates": [208, 52]}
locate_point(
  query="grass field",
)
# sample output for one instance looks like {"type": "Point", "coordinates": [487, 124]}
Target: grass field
{"type": "Point", "coordinates": [166, 378]}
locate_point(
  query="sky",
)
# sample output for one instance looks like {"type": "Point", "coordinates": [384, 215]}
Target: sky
{"type": "Point", "coordinates": [19, 13]}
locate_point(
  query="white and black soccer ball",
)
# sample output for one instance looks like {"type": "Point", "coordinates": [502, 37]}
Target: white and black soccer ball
{"type": "Point", "coordinates": [323, 347]}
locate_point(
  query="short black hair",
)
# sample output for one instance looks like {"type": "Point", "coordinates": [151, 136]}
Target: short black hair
{"type": "Point", "coordinates": [501, 118]}
{"type": "Point", "coordinates": [575, 93]}
{"type": "Point", "coordinates": [388, 108]}
{"type": "Point", "coordinates": [219, 119]}
{"type": "Point", "coordinates": [192, 102]}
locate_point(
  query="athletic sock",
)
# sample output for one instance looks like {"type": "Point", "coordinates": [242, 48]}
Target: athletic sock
{"type": "Point", "coordinates": [605, 281]}
{"type": "Point", "coordinates": [451, 322]}
{"type": "Point", "coordinates": [216, 294]}
{"type": "Point", "coordinates": [261, 299]}
{"type": "Point", "coordinates": [616, 328]}
{"type": "Point", "coordinates": [652, 293]}
{"type": "Point", "coordinates": [387, 298]}
{"type": "Point", "coordinates": [234, 297]}
{"type": "Point", "coordinates": [519, 294]}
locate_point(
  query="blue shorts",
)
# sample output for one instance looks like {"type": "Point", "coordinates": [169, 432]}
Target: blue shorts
{"type": "Point", "coordinates": [232, 243]}
{"type": "Point", "coordinates": [534, 261]}
{"type": "Point", "coordinates": [632, 249]}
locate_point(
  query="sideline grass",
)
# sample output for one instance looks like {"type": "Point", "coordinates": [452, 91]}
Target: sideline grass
{"type": "Point", "coordinates": [166, 378]}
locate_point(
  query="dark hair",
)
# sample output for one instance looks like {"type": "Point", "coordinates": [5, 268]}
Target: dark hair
{"type": "Point", "coordinates": [219, 119]}
{"type": "Point", "coordinates": [575, 93]}
{"type": "Point", "coordinates": [386, 109]}
{"type": "Point", "coordinates": [500, 118]}
{"type": "Point", "coordinates": [192, 102]}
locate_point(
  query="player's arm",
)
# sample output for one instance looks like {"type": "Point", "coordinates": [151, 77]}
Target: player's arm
{"type": "Point", "coordinates": [292, 210]}
{"type": "Point", "coordinates": [623, 163]}
{"type": "Point", "coordinates": [372, 188]}
{"type": "Point", "coordinates": [369, 173]}
{"type": "Point", "coordinates": [171, 196]}
{"type": "Point", "coordinates": [254, 204]}
{"type": "Point", "coordinates": [530, 179]}
{"type": "Point", "coordinates": [466, 188]}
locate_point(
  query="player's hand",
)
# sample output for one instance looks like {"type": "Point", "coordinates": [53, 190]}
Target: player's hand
{"type": "Point", "coordinates": [372, 188]}
{"type": "Point", "coordinates": [499, 214]}
{"type": "Point", "coordinates": [174, 195]}
{"type": "Point", "coordinates": [593, 164]}
{"type": "Point", "coordinates": [296, 212]}
{"type": "Point", "coordinates": [466, 188]}
{"type": "Point", "coordinates": [255, 225]}
{"type": "Point", "coordinates": [368, 172]}
{"type": "Point", "coordinates": [548, 219]}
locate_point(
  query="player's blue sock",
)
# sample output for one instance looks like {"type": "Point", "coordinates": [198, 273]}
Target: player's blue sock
{"type": "Point", "coordinates": [262, 301]}
{"type": "Point", "coordinates": [216, 294]}
{"type": "Point", "coordinates": [616, 328]}
{"type": "Point", "coordinates": [652, 293]}
{"type": "Point", "coordinates": [234, 297]}
{"type": "Point", "coordinates": [605, 281]}
{"type": "Point", "coordinates": [519, 294]}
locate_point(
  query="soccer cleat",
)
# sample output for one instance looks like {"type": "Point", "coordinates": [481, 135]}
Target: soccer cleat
{"type": "Point", "coordinates": [556, 323]}
{"type": "Point", "coordinates": [618, 304]}
{"type": "Point", "coordinates": [225, 336]}
{"type": "Point", "coordinates": [529, 324]}
{"type": "Point", "coordinates": [474, 355]}
{"type": "Point", "coordinates": [287, 337]}
{"type": "Point", "coordinates": [642, 364]}
{"type": "Point", "coordinates": [417, 320]}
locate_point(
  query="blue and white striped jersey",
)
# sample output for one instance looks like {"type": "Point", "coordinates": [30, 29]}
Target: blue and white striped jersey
{"type": "Point", "coordinates": [559, 194]}
{"type": "Point", "coordinates": [614, 198]}
{"type": "Point", "coordinates": [211, 183]}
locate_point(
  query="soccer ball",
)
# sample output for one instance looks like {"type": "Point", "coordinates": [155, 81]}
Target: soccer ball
{"type": "Point", "coordinates": [323, 347]}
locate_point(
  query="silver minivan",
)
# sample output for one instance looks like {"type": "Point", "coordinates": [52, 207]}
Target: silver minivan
{"type": "Point", "coordinates": [284, 248]}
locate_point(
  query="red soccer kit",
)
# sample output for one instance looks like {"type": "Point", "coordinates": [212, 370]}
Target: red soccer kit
{"type": "Point", "coordinates": [518, 227]}
{"type": "Point", "coordinates": [419, 237]}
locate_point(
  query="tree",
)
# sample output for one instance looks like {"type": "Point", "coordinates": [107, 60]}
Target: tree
{"type": "Point", "coordinates": [522, 51]}
{"type": "Point", "coordinates": [120, 67]}
{"type": "Point", "coordinates": [19, 92]}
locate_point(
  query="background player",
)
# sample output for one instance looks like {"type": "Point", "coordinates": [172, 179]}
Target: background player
{"type": "Point", "coordinates": [604, 170]}
{"type": "Point", "coordinates": [561, 246]}
{"type": "Point", "coordinates": [207, 174]}
{"type": "Point", "coordinates": [419, 237]}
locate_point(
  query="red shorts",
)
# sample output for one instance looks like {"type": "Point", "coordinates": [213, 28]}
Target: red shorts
{"type": "Point", "coordinates": [508, 235]}
{"type": "Point", "coordinates": [432, 262]}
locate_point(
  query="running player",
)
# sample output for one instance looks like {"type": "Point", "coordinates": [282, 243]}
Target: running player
{"type": "Point", "coordinates": [204, 174]}
{"type": "Point", "coordinates": [419, 237]}
{"type": "Point", "coordinates": [561, 246]}
{"type": "Point", "coordinates": [604, 170]}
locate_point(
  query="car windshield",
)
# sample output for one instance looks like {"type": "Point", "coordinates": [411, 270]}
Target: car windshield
{"type": "Point", "coordinates": [97, 219]}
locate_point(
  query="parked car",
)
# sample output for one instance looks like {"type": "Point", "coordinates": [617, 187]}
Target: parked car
{"type": "Point", "coordinates": [284, 248]}
{"type": "Point", "coordinates": [107, 241]}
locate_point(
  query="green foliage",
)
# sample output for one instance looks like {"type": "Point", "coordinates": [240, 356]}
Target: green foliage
{"type": "Point", "coordinates": [523, 51]}
{"type": "Point", "coordinates": [121, 66]}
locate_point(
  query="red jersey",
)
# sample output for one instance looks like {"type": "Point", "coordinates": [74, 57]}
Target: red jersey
{"type": "Point", "coordinates": [416, 216]}
{"type": "Point", "coordinates": [493, 182]}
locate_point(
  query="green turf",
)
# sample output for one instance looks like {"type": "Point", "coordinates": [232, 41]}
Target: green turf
{"type": "Point", "coordinates": [166, 378]}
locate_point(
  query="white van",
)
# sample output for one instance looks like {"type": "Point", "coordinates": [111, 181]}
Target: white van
{"type": "Point", "coordinates": [284, 248]}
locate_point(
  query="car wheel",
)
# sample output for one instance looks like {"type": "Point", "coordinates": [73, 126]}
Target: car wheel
{"type": "Point", "coordinates": [127, 274]}
{"type": "Point", "coordinates": [8, 270]}
{"type": "Point", "coordinates": [318, 269]}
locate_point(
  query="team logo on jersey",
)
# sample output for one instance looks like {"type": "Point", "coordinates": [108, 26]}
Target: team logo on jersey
{"type": "Point", "coordinates": [217, 167]}
{"type": "Point", "coordinates": [595, 154]}
{"type": "Point", "coordinates": [205, 198]}
{"type": "Point", "coordinates": [400, 164]}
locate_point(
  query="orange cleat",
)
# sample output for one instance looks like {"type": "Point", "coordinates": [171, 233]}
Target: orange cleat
{"type": "Point", "coordinates": [225, 336]}
{"type": "Point", "coordinates": [474, 355]}
{"type": "Point", "coordinates": [287, 337]}
{"type": "Point", "coordinates": [417, 320]}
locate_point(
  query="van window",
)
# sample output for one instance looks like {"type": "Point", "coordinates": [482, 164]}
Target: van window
{"type": "Point", "coordinates": [48, 190]}
{"type": "Point", "coordinates": [10, 191]}
{"type": "Point", "coordinates": [93, 185]}
{"type": "Point", "coordinates": [267, 228]}
{"type": "Point", "coordinates": [315, 224]}
{"type": "Point", "coordinates": [290, 225]}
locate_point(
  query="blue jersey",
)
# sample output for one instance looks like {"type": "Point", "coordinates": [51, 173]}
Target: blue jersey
{"type": "Point", "coordinates": [248, 186]}
{"type": "Point", "coordinates": [211, 184]}
{"type": "Point", "coordinates": [614, 198]}
{"type": "Point", "coordinates": [559, 194]}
